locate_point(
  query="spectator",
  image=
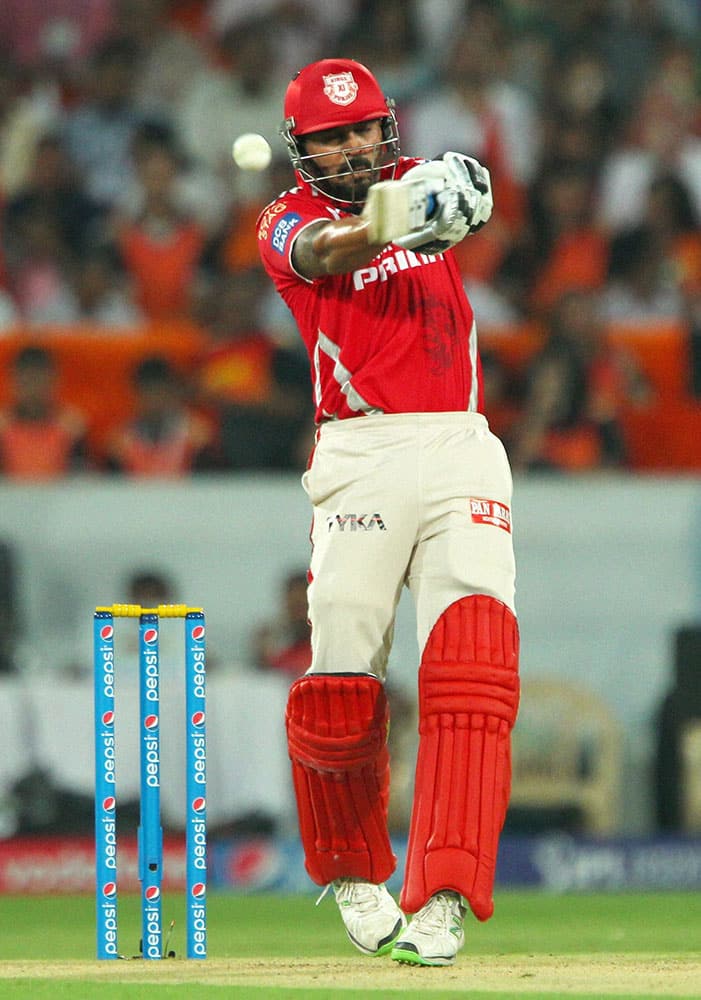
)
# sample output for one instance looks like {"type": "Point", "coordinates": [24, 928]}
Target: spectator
{"type": "Point", "coordinates": [40, 439]}
{"type": "Point", "coordinates": [660, 139]}
{"type": "Point", "coordinates": [475, 107]}
{"type": "Point", "coordinates": [223, 102]}
{"type": "Point", "coordinates": [285, 642]}
{"type": "Point", "coordinates": [102, 293]}
{"type": "Point", "coordinates": [580, 118]}
{"type": "Point", "coordinates": [577, 387]}
{"type": "Point", "coordinates": [164, 438]}
{"type": "Point", "coordinates": [149, 588]}
{"type": "Point", "coordinates": [256, 389]}
{"type": "Point", "coordinates": [50, 229]}
{"type": "Point", "coordinates": [40, 267]}
{"type": "Point", "coordinates": [161, 249]}
{"type": "Point", "coordinates": [197, 193]}
{"type": "Point", "coordinates": [53, 189]}
{"type": "Point", "coordinates": [26, 112]}
{"type": "Point", "coordinates": [655, 271]}
{"type": "Point", "coordinates": [386, 34]}
{"type": "Point", "coordinates": [533, 50]}
{"type": "Point", "coordinates": [99, 131]}
{"type": "Point", "coordinates": [640, 290]}
{"type": "Point", "coordinates": [631, 35]}
{"type": "Point", "coordinates": [169, 57]}
{"type": "Point", "coordinates": [567, 250]}
{"type": "Point", "coordinates": [303, 28]}
{"type": "Point", "coordinates": [677, 714]}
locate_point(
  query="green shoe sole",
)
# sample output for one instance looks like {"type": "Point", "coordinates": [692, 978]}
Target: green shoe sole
{"type": "Point", "coordinates": [413, 958]}
{"type": "Point", "coordinates": [387, 948]}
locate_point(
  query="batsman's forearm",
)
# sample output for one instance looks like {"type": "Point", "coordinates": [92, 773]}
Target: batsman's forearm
{"type": "Point", "coordinates": [334, 248]}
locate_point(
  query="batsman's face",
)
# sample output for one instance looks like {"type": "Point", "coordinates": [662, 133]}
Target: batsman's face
{"type": "Point", "coordinates": [348, 158]}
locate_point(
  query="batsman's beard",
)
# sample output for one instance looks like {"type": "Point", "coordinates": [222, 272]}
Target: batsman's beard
{"type": "Point", "coordinates": [351, 181]}
{"type": "Point", "coordinates": [351, 187]}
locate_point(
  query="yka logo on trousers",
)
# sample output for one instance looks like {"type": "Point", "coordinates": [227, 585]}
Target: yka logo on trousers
{"type": "Point", "coordinates": [355, 522]}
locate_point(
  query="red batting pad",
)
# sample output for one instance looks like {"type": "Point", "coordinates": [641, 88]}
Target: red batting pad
{"type": "Point", "coordinates": [337, 739]}
{"type": "Point", "coordinates": [468, 700]}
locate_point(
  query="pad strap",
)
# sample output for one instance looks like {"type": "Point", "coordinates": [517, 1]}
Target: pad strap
{"type": "Point", "coordinates": [337, 738]}
{"type": "Point", "coordinates": [468, 700]}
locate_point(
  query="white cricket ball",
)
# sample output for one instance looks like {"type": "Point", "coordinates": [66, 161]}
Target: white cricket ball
{"type": "Point", "coordinates": [251, 151]}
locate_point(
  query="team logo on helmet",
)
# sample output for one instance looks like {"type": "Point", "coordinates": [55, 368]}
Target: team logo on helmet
{"type": "Point", "coordinates": [340, 88]}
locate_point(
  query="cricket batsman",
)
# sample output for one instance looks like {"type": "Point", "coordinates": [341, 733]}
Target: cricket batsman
{"type": "Point", "coordinates": [409, 488]}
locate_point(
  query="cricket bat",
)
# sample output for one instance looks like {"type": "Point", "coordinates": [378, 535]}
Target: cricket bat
{"type": "Point", "coordinates": [398, 212]}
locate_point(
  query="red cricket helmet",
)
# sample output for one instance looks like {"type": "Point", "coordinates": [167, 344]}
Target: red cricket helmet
{"type": "Point", "coordinates": [332, 93]}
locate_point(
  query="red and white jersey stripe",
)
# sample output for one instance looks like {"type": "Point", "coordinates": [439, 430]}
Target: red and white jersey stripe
{"type": "Point", "coordinates": [396, 336]}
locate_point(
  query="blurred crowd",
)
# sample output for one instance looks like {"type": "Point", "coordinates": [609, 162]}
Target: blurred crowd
{"type": "Point", "coordinates": [120, 206]}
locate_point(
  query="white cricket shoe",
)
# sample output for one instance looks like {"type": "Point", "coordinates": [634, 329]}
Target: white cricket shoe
{"type": "Point", "coordinates": [435, 935]}
{"type": "Point", "coordinates": [372, 918]}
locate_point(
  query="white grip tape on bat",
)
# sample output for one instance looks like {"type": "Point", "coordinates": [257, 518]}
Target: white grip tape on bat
{"type": "Point", "coordinates": [396, 208]}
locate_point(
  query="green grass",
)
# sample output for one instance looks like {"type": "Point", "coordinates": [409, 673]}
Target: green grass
{"type": "Point", "coordinates": [664, 926]}
{"type": "Point", "coordinates": [63, 927]}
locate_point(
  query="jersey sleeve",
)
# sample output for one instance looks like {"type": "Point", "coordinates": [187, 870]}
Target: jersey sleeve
{"type": "Point", "coordinates": [278, 226]}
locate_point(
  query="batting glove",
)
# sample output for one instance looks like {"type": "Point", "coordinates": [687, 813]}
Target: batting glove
{"type": "Point", "coordinates": [460, 200]}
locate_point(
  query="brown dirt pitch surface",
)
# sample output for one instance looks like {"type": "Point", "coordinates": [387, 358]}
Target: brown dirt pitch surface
{"type": "Point", "coordinates": [580, 975]}
{"type": "Point", "coordinates": [598, 946]}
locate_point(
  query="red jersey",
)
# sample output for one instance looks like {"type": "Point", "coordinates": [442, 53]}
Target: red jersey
{"type": "Point", "coordinates": [395, 336]}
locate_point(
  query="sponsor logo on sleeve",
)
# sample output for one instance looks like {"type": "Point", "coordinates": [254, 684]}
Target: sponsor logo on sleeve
{"type": "Point", "coordinates": [490, 512]}
{"type": "Point", "coordinates": [282, 230]}
{"type": "Point", "coordinates": [268, 217]}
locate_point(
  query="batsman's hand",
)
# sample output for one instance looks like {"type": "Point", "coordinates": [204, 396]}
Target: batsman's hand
{"type": "Point", "coordinates": [474, 183]}
{"type": "Point", "coordinates": [434, 206]}
{"type": "Point", "coordinates": [462, 191]}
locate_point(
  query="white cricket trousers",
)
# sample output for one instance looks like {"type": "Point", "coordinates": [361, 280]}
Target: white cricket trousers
{"type": "Point", "coordinates": [421, 499]}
